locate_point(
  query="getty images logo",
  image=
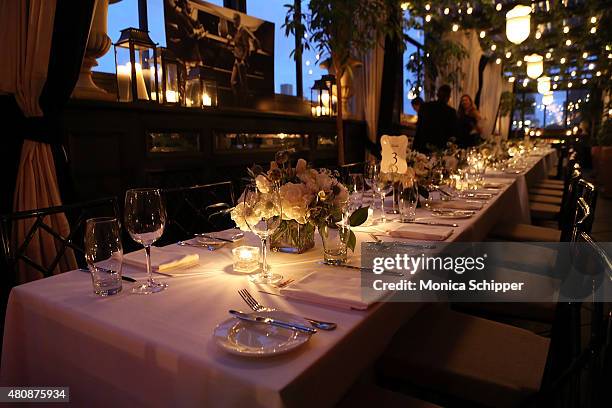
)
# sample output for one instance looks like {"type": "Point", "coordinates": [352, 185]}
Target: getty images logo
{"type": "Point", "coordinates": [412, 264]}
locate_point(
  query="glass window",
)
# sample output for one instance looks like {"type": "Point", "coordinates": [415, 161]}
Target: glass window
{"type": "Point", "coordinates": [411, 80]}
{"type": "Point", "coordinates": [284, 64]}
{"type": "Point", "coordinates": [540, 116]}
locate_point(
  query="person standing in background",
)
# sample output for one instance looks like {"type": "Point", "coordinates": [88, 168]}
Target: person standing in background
{"type": "Point", "coordinates": [437, 122]}
{"type": "Point", "coordinates": [468, 122]}
{"type": "Point", "coordinates": [416, 104]}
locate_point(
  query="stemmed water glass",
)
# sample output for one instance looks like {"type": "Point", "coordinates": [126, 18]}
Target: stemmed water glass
{"type": "Point", "coordinates": [263, 215]}
{"type": "Point", "coordinates": [145, 219]}
{"type": "Point", "coordinates": [382, 184]}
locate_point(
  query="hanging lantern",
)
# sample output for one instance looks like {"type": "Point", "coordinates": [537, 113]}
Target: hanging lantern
{"type": "Point", "coordinates": [324, 96]}
{"type": "Point", "coordinates": [543, 84]}
{"type": "Point", "coordinates": [547, 98]}
{"type": "Point", "coordinates": [136, 64]}
{"type": "Point", "coordinates": [518, 24]}
{"type": "Point", "coordinates": [201, 89]}
{"type": "Point", "coordinates": [535, 65]}
{"type": "Point", "coordinates": [171, 78]}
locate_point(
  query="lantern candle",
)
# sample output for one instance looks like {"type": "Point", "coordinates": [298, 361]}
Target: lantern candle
{"type": "Point", "coordinates": [246, 259]}
{"type": "Point", "coordinates": [206, 100]}
{"type": "Point", "coordinates": [124, 82]}
{"type": "Point", "coordinates": [141, 87]}
{"type": "Point", "coordinates": [171, 96]}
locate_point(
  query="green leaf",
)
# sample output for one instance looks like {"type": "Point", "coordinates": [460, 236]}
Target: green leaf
{"type": "Point", "coordinates": [423, 191]}
{"type": "Point", "coordinates": [358, 217]}
{"type": "Point", "coordinates": [352, 241]}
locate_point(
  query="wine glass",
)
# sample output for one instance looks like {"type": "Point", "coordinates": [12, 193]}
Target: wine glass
{"type": "Point", "coordinates": [382, 184]}
{"type": "Point", "coordinates": [145, 219]}
{"type": "Point", "coordinates": [356, 189]}
{"type": "Point", "coordinates": [263, 215]}
{"type": "Point", "coordinates": [371, 168]}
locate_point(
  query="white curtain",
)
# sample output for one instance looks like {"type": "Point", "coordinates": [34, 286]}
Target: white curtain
{"type": "Point", "coordinates": [504, 121]}
{"type": "Point", "coordinates": [369, 83]}
{"type": "Point", "coordinates": [490, 94]}
{"type": "Point", "coordinates": [468, 67]}
{"type": "Point", "coordinates": [26, 30]}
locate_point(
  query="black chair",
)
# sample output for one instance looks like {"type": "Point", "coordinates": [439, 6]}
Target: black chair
{"type": "Point", "coordinates": [196, 209]}
{"type": "Point", "coordinates": [76, 214]}
{"type": "Point", "coordinates": [464, 360]}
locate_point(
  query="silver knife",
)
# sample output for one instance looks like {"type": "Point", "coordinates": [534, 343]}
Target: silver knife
{"type": "Point", "coordinates": [273, 322]}
{"type": "Point", "coordinates": [437, 224]}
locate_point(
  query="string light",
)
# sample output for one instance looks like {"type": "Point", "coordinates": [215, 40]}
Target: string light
{"type": "Point", "coordinates": [598, 73]}
{"type": "Point", "coordinates": [427, 18]}
{"type": "Point", "coordinates": [469, 10]}
{"type": "Point", "coordinates": [508, 54]}
{"type": "Point", "coordinates": [498, 7]}
{"type": "Point", "coordinates": [584, 81]}
{"type": "Point", "coordinates": [519, 63]}
{"type": "Point", "coordinates": [427, 7]}
{"type": "Point", "coordinates": [569, 84]}
{"type": "Point", "coordinates": [568, 42]}
{"type": "Point", "coordinates": [548, 55]}
{"type": "Point", "coordinates": [593, 20]}
{"type": "Point", "coordinates": [493, 47]}
{"type": "Point", "coordinates": [565, 30]}
{"type": "Point", "coordinates": [482, 34]}
{"type": "Point", "coordinates": [538, 35]}
{"type": "Point", "coordinates": [525, 82]}
{"type": "Point", "coordinates": [573, 73]}
{"type": "Point", "coordinates": [562, 60]}
{"type": "Point", "coordinates": [455, 27]}
{"type": "Point", "coordinates": [498, 61]}
{"type": "Point", "coordinates": [446, 11]}
{"type": "Point", "coordinates": [556, 78]}
{"type": "Point", "coordinates": [585, 55]}
{"type": "Point", "coordinates": [511, 79]}
{"type": "Point", "coordinates": [404, 6]}
{"type": "Point", "coordinates": [593, 30]}
{"type": "Point", "coordinates": [554, 86]}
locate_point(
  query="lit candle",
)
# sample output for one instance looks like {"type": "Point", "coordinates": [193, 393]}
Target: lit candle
{"type": "Point", "coordinates": [124, 82]}
{"type": "Point", "coordinates": [206, 100]}
{"type": "Point", "coordinates": [141, 88]}
{"type": "Point", "coordinates": [246, 259]}
{"type": "Point", "coordinates": [171, 96]}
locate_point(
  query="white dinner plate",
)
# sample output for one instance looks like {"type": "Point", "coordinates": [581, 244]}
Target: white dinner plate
{"type": "Point", "coordinates": [257, 339]}
{"type": "Point", "coordinates": [453, 214]}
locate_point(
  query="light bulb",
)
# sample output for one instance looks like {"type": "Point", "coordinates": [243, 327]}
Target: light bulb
{"type": "Point", "coordinates": [427, 18]}
{"type": "Point", "coordinates": [573, 73]}
{"type": "Point", "coordinates": [519, 63]}
{"type": "Point", "coordinates": [554, 86]}
{"type": "Point", "coordinates": [585, 55]}
{"type": "Point", "coordinates": [518, 24]}
{"type": "Point", "coordinates": [508, 54]}
{"type": "Point", "coordinates": [538, 35]}
{"type": "Point", "coordinates": [562, 60]}
{"type": "Point", "coordinates": [598, 73]}
{"type": "Point", "coordinates": [565, 29]}
{"type": "Point", "coordinates": [556, 78]}
{"type": "Point", "coordinates": [593, 30]}
{"type": "Point", "coordinates": [427, 7]}
{"type": "Point", "coordinates": [568, 42]}
{"type": "Point", "coordinates": [548, 55]}
{"type": "Point", "coordinates": [511, 79]}
{"type": "Point", "coordinates": [482, 34]}
{"type": "Point", "coordinates": [493, 47]}
{"type": "Point", "coordinates": [498, 7]}
{"type": "Point", "coordinates": [584, 81]}
{"type": "Point", "coordinates": [455, 27]}
{"type": "Point", "coordinates": [469, 10]}
{"type": "Point", "coordinates": [498, 61]}
{"type": "Point", "coordinates": [569, 84]}
{"type": "Point", "coordinates": [593, 20]}
{"type": "Point", "coordinates": [446, 11]}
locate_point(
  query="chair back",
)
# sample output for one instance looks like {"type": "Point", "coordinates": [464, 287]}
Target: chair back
{"type": "Point", "coordinates": [347, 169]}
{"type": "Point", "coordinates": [578, 189]}
{"type": "Point", "coordinates": [196, 209]}
{"type": "Point", "coordinates": [38, 220]}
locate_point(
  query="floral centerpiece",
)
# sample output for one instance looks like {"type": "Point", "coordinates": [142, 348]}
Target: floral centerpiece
{"type": "Point", "coordinates": [310, 198]}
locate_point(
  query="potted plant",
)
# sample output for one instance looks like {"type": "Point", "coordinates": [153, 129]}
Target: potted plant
{"type": "Point", "coordinates": [343, 31]}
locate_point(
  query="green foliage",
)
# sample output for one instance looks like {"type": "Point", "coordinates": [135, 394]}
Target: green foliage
{"type": "Point", "coordinates": [358, 217]}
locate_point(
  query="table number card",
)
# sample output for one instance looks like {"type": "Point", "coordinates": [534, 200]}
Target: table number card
{"type": "Point", "coordinates": [394, 153]}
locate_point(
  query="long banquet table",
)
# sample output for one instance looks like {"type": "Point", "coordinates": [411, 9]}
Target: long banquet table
{"type": "Point", "coordinates": [157, 350]}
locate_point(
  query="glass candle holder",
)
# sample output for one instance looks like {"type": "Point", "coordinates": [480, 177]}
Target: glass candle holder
{"type": "Point", "coordinates": [246, 259]}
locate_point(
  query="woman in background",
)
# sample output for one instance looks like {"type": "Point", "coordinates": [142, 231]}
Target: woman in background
{"type": "Point", "coordinates": [468, 122]}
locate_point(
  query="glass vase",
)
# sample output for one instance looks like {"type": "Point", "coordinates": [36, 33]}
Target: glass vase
{"type": "Point", "coordinates": [335, 238]}
{"type": "Point", "coordinates": [292, 237]}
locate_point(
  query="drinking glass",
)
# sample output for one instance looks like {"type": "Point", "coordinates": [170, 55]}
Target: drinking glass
{"type": "Point", "coordinates": [371, 169]}
{"type": "Point", "coordinates": [145, 219]}
{"type": "Point", "coordinates": [381, 185]}
{"type": "Point", "coordinates": [356, 189]}
{"type": "Point", "coordinates": [263, 216]}
{"type": "Point", "coordinates": [335, 239]}
{"type": "Point", "coordinates": [408, 199]}
{"type": "Point", "coordinates": [104, 254]}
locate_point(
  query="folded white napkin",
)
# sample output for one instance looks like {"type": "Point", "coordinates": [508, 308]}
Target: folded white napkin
{"type": "Point", "coordinates": [421, 233]}
{"type": "Point", "coordinates": [457, 205]}
{"type": "Point", "coordinates": [163, 259]}
{"type": "Point", "coordinates": [340, 289]}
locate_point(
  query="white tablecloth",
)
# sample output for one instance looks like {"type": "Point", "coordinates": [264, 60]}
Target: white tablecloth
{"type": "Point", "coordinates": [157, 350]}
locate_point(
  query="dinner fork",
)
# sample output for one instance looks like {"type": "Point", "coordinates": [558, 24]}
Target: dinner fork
{"type": "Point", "coordinates": [257, 307]}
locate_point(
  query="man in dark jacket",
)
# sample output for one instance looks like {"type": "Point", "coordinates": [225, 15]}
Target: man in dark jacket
{"type": "Point", "coordinates": [437, 122]}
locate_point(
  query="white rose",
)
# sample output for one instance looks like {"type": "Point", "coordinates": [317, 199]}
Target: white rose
{"type": "Point", "coordinates": [301, 167]}
{"type": "Point", "coordinates": [295, 199]}
{"type": "Point", "coordinates": [243, 216]}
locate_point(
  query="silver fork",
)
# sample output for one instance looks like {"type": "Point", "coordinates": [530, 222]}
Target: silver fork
{"type": "Point", "coordinates": [257, 307]}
